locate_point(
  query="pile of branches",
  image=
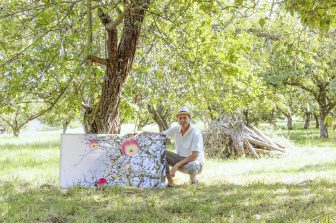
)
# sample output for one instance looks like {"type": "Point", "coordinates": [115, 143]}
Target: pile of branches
{"type": "Point", "coordinates": [231, 138]}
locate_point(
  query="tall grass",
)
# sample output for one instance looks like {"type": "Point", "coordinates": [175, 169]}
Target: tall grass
{"type": "Point", "coordinates": [298, 187]}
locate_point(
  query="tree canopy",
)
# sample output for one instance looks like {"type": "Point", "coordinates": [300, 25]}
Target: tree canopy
{"type": "Point", "coordinates": [146, 59]}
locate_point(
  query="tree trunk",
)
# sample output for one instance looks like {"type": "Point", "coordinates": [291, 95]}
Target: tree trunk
{"type": "Point", "coordinates": [142, 122]}
{"type": "Point", "coordinates": [288, 115]}
{"type": "Point", "coordinates": [289, 122]}
{"type": "Point", "coordinates": [246, 117]}
{"type": "Point", "coordinates": [317, 121]}
{"type": "Point", "coordinates": [323, 126]}
{"type": "Point", "coordinates": [160, 116]}
{"type": "Point", "coordinates": [65, 126]}
{"type": "Point", "coordinates": [271, 118]}
{"type": "Point", "coordinates": [307, 120]}
{"type": "Point", "coordinates": [16, 127]}
{"type": "Point", "coordinates": [322, 102]}
{"type": "Point", "coordinates": [103, 117]}
{"type": "Point", "coordinates": [16, 132]}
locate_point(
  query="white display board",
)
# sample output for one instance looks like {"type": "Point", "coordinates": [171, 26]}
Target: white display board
{"type": "Point", "coordinates": [112, 160]}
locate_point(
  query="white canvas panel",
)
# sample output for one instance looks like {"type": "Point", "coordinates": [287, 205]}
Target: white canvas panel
{"type": "Point", "coordinates": [112, 160]}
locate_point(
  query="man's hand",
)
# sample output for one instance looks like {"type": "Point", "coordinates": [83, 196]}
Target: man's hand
{"type": "Point", "coordinates": [173, 171]}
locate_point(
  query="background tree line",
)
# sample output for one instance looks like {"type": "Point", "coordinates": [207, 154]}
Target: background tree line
{"type": "Point", "coordinates": [109, 62]}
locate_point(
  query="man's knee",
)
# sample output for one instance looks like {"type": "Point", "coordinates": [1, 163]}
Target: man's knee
{"type": "Point", "coordinates": [193, 172]}
{"type": "Point", "coordinates": [192, 168]}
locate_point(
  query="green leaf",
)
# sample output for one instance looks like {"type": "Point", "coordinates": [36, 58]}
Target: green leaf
{"type": "Point", "coordinates": [171, 29]}
{"type": "Point", "coordinates": [262, 22]}
{"type": "Point", "coordinates": [205, 8]}
{"type": "Point", "coordinates": [291, 11]}
{"type": "Point", "coordinates": [329, 120]}
{"type": "Point", "coordinates": [239, 2]}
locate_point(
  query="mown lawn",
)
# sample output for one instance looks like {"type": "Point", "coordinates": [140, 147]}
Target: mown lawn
{"type": "Point", "coordinates": [298, 187]}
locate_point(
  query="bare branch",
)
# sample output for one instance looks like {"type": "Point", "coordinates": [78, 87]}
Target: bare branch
{"type": "Point", "coordinates": [8, 123]}
{"type": "Point", "coordinates": [296, 84]}
{"type": "Point", "coordinates": [109, 24]}
{"type": "Point", "coordinates": [96, 59]}
{"type": "Point", "coordinates": [258, 33]}
{"type": "Point", "coordinates": [52, 104]}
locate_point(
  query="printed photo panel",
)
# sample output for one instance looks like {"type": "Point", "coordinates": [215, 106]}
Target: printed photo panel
{"type": "Point", "coordinates": [112, 160]}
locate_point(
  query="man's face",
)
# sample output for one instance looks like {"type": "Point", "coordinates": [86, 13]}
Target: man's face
{"type": "Point", "coordinates": [183, 120]}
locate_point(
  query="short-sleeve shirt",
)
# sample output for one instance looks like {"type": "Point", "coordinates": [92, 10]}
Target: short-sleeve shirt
{"type": "Point", "coordinates": [191, 140]}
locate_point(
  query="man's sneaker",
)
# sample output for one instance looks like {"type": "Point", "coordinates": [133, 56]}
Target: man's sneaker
{"type": "Point", "coordinates": [193, 178]}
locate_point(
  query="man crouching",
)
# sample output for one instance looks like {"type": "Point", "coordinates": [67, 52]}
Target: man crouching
{"type": "Point", "coordinates": [189, 156]}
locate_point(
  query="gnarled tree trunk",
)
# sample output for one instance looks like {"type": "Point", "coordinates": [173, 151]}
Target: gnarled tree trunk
{"type": "Point", "coordinates": [323, 107]}
{"type": "Point", "coordinates": [103, 117]}
{"type": "Point", "coordinates": [307, 120]}
{"type": "Point", "coordinates": [246, 118]}
{"type": "Point", "coordinates": [317, 121]}
{"type": "Point", "coordinates": [66, 124]}
{"type": "Point", "coordinates": [289, 122]}
{"type": "Point", "coordinates": [160, 116]}
{"type": "Point", "coordinates": [288, 114]}
{"type": "Point", "coordinates": [271, 118]}
{"type": "Point", "coordinates": [323, 126]}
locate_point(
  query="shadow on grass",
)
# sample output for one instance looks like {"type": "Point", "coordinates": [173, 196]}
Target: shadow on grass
{"type": "Point", "coordinates": [313, 201]}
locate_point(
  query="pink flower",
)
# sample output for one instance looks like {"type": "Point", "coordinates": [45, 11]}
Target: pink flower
{"type": "Point", "coordinates": [130, 147]}
{"type": "Point", "coordinates": [101, 182]}
{"type": "Point", "coordinates": [93, 144]}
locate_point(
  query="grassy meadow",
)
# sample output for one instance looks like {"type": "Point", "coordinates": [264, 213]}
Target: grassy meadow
{"type": "Point", "coordinates": [297, 187]}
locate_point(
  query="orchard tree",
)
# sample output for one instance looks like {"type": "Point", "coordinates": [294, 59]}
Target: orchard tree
{"type": "Point", "coordinates": [63, 114]}
{"type": "Point", "coordinates": [310, 66]}
{"type": "Point", "coordinates": [300, 57]}
{"type": "Point", "coordinates": [40, 55]}
{"type": "Point", "coordinates": [103, 116]}
{"type": "Point", "coordinates": [27, 97]}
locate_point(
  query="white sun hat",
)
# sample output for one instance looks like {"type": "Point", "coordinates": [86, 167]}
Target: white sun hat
{"type": "Point", "coordinates": [183, 111]}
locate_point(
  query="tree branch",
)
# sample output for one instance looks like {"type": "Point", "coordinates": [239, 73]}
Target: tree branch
{"type": "Point", "coordinates": [35, 41]}
{"type": "Point", "coordinates": [283, 111]}
{"type": "Point", "coordinates": [8, 123]}
{"type": "Point", "coordinates": [48, 108]}
{"type": "Point", "coordinates": [96, 59]}
{"type": "Point", "coordinates": [259, 33]}
{"type": "Point", "coordinates": [109, 24]}
{"type": "Point", "coordinates": [296, 84]}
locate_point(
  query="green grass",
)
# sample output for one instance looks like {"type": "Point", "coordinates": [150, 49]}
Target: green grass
{"type": "Point", "coordinates": [298, 187]}
{"type": "Point", "coordinates": [300, 136]}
